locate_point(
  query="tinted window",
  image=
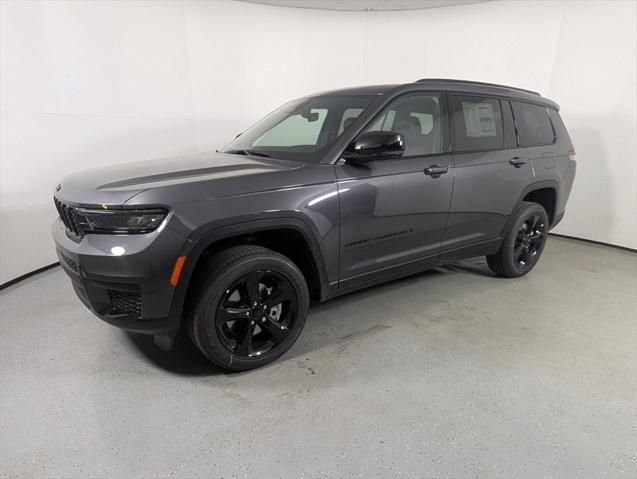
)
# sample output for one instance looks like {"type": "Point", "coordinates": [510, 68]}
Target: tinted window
{"type": "Point", "coordinates": [477, 123]}
{"type": "Point", "coordinates": [348, 118]}
{"type": "Point", "coordinates": [534, 125]}
{"type": "Point", "coordinates": [418, 119]}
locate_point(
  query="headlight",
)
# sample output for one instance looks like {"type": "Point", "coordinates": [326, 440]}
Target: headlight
{"type": "Point", "coordinates": [122, 221]}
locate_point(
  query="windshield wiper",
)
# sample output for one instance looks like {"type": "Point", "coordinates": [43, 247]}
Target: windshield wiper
{"type": "Point", "coordinates": [248, 153]}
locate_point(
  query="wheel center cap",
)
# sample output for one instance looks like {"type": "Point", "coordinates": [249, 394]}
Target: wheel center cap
{"type": "Point", "coordinates": [257, 310]}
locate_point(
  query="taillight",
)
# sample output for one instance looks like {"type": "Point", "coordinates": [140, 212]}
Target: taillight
{"type": "Point", "coordinates": [571, 154]}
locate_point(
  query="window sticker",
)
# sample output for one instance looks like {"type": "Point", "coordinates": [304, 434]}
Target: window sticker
{"type": "Point", "coordinates": [479, 120]}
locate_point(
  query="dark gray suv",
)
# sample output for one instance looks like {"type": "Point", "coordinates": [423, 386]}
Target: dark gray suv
{"type": "Point", "coordinates": [328, 194]}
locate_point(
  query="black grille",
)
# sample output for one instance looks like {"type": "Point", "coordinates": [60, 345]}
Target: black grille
{"type": "Point", "coordinates": [71, 218]}
{"type": "Point", "coordinates": [125, 302]}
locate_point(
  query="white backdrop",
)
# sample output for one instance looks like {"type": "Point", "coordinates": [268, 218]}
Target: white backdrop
{"type": "Point", "coordinates": [87, 84]}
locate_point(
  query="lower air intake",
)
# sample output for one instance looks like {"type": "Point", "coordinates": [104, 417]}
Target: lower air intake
{"type": "Point", "coordinates": [125, 302]}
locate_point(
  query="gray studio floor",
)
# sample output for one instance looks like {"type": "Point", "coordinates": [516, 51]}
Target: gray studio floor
{"type": "Point", "coordinates": [448, 373]}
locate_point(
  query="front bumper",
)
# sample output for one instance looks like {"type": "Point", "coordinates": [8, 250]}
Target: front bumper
{"type": "Point", "coordinates": [124, 279]}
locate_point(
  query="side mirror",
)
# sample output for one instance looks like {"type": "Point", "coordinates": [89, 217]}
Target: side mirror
{"type": "Point", "coordinates": [375, 145]}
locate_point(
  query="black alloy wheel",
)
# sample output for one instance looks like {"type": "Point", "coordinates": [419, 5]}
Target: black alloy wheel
{"type": "Point", "coordinates": [256, 313]}
{"type": "Point", "coordinates": [523, 242]}
{"type": "Point", "coordinates": [529, 241]}
{"type": "Point", "coordinates": [247, 307]}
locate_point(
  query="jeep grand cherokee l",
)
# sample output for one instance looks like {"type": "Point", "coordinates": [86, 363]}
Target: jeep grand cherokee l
{"type": "Point", "coordinates": [328, 194]}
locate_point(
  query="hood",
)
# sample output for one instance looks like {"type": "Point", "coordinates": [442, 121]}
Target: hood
{"type": "Point", "coordinates": [114, 185]}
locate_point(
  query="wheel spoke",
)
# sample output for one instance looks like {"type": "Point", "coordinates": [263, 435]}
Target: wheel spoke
{"type": "Point", "coordinates": [526, 254]}
{"type": "Point", "coordinates": [537, 234]}
{"type": "Point", "coordinates": [281, 293]}
{"type": "Point", "coordinates": [517, 253]}
{"type": "Point", "coordinates": [232, 314]}
{"type": "Point", "coordinates": [251, 287]}
{"type": "Point", "coordinates": [244, 339]}
{"type": "Point", "coordinates": [537, 241]}
{"type": "Point", "coordinates": [277, 330]}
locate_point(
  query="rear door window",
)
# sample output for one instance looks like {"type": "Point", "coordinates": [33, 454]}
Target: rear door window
{"type": "Point", "coordinates": [533, 124]}
{"type": "Point", "coordinates": [477, 123]}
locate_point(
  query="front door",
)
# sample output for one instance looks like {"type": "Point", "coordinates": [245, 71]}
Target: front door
{"type": "Point", "coordinates": [393, 213]}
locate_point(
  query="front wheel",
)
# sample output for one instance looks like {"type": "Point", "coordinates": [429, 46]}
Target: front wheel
{"type": "Point", "coordinates": [248, 308]}
{"type": "Point", "coordinates": [523, 242]}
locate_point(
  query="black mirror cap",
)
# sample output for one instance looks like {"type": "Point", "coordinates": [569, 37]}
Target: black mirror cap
{"type": "Point", "coordinates": [375, 145]}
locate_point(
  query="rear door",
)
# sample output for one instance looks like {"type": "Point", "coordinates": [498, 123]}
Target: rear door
{"type": "Point", "coordinates": [490, 171]}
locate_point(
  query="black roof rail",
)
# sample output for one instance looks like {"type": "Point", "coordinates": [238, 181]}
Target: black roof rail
{"type": "Point", "coordinates": [469, 82]}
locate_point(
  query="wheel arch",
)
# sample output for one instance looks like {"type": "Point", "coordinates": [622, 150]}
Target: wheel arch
{"type": "Point", "coordinates": [531, 191]}
{"type": "Point", "coordinates": [545, 196]}
{"type": "Point", "coordinates": [308, 254]}
{"type": "Point", "coordinates": [545, 193]}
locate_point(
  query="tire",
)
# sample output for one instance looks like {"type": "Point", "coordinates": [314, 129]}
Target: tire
{"type": "Point", "coordinates": [523, 242]}
{"type": "Point", "coordinates": [247, 307]}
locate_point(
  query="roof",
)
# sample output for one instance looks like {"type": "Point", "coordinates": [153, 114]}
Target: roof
{"type": "Point", "coordinates": [359, 90]}
{"type": "Point", "coordinates": [464, 86]}
{"type": "Point", "coordinates": [471, 82]}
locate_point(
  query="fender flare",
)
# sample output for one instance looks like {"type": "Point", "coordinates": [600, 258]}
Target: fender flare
{"type": "Point", "coordinates": [528, 189]}
{"type": "Point", "coordinates": [206, 236]}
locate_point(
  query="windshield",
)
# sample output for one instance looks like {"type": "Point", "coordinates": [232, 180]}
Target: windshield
{"type": "Point", "coordinates": [301, 130]}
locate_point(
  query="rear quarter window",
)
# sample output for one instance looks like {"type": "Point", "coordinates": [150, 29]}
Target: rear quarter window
{"type": "Point", "coordinates": [533, 124]}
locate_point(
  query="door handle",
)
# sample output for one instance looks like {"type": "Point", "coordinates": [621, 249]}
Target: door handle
{"type": "Point", "coordinates": [436, 170]}
{"type": "Point", "coordinates": [517, 161]}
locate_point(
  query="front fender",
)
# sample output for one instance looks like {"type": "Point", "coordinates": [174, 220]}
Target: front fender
{"type": "Point", "coordinates": [204, 237]}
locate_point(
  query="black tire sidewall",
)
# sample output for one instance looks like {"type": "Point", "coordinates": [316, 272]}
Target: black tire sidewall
{"type": "Point", "coordinates": [205, 311]}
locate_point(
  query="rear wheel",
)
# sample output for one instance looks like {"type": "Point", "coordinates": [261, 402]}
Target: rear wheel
{"type": "Point", "coordinates": [523, 242]}
{"type": "Point", "coordinates": [248, 308]}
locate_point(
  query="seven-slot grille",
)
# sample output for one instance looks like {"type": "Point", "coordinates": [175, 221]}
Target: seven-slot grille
{"type": "Point", "coordinates": [71, 218]}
